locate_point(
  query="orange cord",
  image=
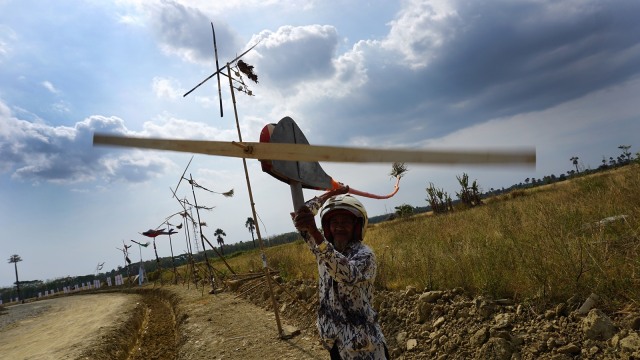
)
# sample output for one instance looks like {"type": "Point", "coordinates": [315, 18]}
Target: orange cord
{"type": "Point", "coordinates": [336, 185]}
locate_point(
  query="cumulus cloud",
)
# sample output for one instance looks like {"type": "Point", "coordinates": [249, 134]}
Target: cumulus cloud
{"type": "Point", "coordinates": [61, 107]}
{"type": "Point", "coordinates": [167, 88]}
{"type": "Point", "coordinates": [134, 167]}
{"type": "Point", "coordinates": [167, 126]}
{"type": "Point", "coordinates": [420, 30]}
{"type": "Point", "coordinates": [298, 66]}
{"type": "Point", "coordinates": [451, 64]}
{"type": "Point", "coordinates": [49, 86]}
{"type": "Point", "coordinates": [456, 63]}
{"type": "Point", "coordinates": [7, 36]}
{"type": "Point", "coordinates": [36, 152]}
{"type": "Point", "coordinates": [224, 8]}
{"type": "Point", "coordinates": [206, 101]}
{"type": "Point", "coordinates": [185, 32]}
{"type": "Point", "coordinates": [295, 54]}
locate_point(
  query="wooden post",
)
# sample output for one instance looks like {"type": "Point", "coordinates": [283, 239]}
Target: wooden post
{"type": "Point", "coordinates": [253, 211]}
{"type": "Point", "coordinates": [296, 195]}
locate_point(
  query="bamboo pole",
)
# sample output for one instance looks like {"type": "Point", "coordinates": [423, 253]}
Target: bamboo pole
{"type": "Point", "coordinates": [173, 261]}
{"type": "Point", "coordinates": [219, 255]}
{"type": "Point", "coordinates": [191, 267]}
{"type": "Point", "coordinates": [204, 248]}
{"type": "Point", "coordinates": [253, 211]}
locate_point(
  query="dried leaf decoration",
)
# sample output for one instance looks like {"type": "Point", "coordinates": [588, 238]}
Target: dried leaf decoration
{"type": "Point", "coordinates": [247, 70]}
{"type": "Point", "coordinates": [398, 170]}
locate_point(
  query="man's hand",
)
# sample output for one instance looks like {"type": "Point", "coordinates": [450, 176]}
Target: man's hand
{"type": "Point", "coordinates": [304, 220]}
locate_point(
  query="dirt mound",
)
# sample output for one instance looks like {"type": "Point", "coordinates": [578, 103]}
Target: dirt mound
{"type": "Point", "coordinates": [149, 330]}
{"type": "Point", "coordinates": [179, 322]}
{"type": "Point", "coordinates": [187, 323]}
{"type": "Point", "coordinates": [452, 325]}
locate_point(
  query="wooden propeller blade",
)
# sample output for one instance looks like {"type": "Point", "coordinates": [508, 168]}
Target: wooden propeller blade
{"type": "Point", "coordinates": [304, 152]}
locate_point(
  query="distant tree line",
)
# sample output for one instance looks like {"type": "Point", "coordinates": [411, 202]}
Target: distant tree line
{"type": "Point", "coordinates": [470, 195]}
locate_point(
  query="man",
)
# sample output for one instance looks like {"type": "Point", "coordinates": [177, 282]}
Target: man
{"type": "Point", "coordinates": [346, 320]}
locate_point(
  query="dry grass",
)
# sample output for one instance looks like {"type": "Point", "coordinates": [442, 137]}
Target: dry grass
{"type": "Point", "coordinates": [293, 261]}
{"type": "Point", "coordinates": [541, 243]}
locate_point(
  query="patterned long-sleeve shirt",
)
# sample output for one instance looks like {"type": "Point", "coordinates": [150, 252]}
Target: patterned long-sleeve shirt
{"type": "Point", "coordinates": [346, 316]}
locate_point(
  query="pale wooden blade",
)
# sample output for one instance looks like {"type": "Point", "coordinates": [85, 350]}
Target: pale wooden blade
{"type": "Point", "coordinates": [304, 152]}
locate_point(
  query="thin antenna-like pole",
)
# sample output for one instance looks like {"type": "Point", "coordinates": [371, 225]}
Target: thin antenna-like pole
{"type": "Point", "coordinates": [204, 239]}
{"type": "Point", "coordinates": [215, 51]}
{"type": "Point", "coordinates": [141, 272]}
{"type": "Point", "coordinates": [159, 270]}
{"type": "Point", "coordinates": [195, 230]}
{"type": "Point", "coordinates": [173, 261]}
{"type": "Point", "coordinates": [187, 238]}
{"type": "Point", "coordinates": [219, 255]}
{"type": "Point", "coordinates": [196, 271]}
{"type": "Point", "coordinates": [194, 268]}
{"type": "Point", "coordinates": [186, 230]}
{"type": "Point", "coordinates": [126, 256]}
{"type": "Point", "coordinates": [255, 217]}
{"type": "Point", "coordinates": [125, 253]}
{"type": "Point", "coordinates": [179, 181]}
{"type": "Point", "coordinates": [204, 248]}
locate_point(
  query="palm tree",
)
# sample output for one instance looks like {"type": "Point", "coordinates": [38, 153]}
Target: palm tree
{"type": "Point", "coordinates": [15, 259]}
{"type": "Point", "coordinates": [219, 233]}
{"type": "Point", "coordinates": [575, 162]}
{"type": "Point", "coordinates": [625, 151]}
{"type": "Point", "coordinates": [251, 225]}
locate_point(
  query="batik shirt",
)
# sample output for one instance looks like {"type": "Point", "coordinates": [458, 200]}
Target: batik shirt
{"type": "Point", "coordinates": [346, 316]}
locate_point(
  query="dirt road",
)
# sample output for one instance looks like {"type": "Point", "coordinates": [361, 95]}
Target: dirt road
{"type": "Point", "coordinates": [60, 328]}
{"type": "Point", "coordinates": [176, 322]}
{"type": "Point", "coordinates": [171, 322]}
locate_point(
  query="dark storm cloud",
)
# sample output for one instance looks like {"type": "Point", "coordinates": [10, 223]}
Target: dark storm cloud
{"type": "Point", "coordinates": [521, 57]}
{"type": "Point", "coordinates": [489, 59]}
{"type": "Point", "coordinates": [36, 152]}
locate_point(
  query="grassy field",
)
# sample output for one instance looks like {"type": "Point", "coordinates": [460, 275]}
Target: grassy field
{"type": "Point", "coordinates": [542, 244]}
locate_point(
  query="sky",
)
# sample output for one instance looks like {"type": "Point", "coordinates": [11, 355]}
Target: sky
{"type": "Point", "coordinates": [560, 76]}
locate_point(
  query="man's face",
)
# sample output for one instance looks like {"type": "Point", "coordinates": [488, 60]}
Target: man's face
{"type": "Point", "coordinates": [342, 225]}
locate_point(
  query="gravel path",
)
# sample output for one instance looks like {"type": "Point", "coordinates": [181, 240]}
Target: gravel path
{"type": "Point", "coordinates": [60, 328]}
{"type": "Point", "coordinates": [14, 313]}
{"type": "Point", "coordinates": [172, 322]}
